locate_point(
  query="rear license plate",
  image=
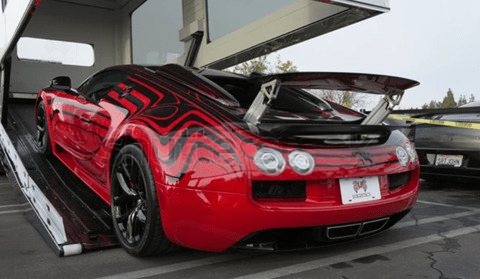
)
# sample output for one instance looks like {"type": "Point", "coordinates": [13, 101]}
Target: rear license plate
{"type": "Point", "coordinates": [363, 189]}
{"type": "Point", "coordinates": [449, 160]}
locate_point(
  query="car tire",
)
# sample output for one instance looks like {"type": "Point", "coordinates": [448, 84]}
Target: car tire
{"type": "Point", "coordinates": [42, 136]}
{"type": "Point", "coordinates": [134, 204]}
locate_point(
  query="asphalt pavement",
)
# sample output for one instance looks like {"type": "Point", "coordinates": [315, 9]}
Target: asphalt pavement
{"type": "Point", "coordinates": [440, 238]}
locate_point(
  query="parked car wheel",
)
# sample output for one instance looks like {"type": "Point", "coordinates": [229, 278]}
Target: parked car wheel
{"type": "Point", "coordinates": [135, 209]}
{"type": "Point", "coordinates": [42, 136]}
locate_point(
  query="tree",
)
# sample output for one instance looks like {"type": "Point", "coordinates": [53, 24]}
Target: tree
{"type": "Point", "coordinates": [259, 65]}
{"type": "Point", "coordinates": [344, 98]}
{"type": "Point", "coordinates": [462, 100]}
{"type": "Point", "coordinates": [472, 98]}
{"type": "Point", "coordinates": [432, 105]}
{"type": "Point", "coordinates": [449, 100]}
{"type": "Point", "coordinates": [263, 65]}
{"type": "Point", "coordinates": [285, 67]}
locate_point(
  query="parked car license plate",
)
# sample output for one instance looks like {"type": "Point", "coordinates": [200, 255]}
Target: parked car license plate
{"type": "Point", "coordinates": [449, 160]}
{"type": "Point", "coordinates": [354, 190]}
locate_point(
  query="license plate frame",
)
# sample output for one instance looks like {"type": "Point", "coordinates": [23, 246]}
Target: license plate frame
{"type": "Point", "coordinates": [360, 189]}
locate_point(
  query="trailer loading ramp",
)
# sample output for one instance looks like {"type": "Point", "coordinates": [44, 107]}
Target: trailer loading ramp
{"type": "Point", "coordinates": [72, 218]}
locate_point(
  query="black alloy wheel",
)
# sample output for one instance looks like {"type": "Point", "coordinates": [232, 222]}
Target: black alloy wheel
{"type": "Point", "coordinates": [42, 136]}
{"type": "Point", "coordinates": [135, 209]}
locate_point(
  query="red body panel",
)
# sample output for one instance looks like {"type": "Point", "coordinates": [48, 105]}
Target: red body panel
{"type": "Point", "coordinates": [202, 159]}
{"type": "Point", "coordinates": [209, 218]}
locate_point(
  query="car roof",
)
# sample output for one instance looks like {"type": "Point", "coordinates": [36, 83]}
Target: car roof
{"type": "Point", "coordinates": [471, 104]}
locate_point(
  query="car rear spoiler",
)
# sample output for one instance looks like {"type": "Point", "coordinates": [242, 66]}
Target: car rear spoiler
{"type": "Point", "coordinates": [391, 87]}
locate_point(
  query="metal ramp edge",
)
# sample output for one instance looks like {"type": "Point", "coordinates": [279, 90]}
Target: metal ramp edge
{"type": "Point", "coordinates": [64, 211]}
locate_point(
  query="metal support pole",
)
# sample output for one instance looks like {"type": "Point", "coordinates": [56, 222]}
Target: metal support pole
{"type": "Point", "coordinates": [5, 89]}
{"type": "Point", "coordinates": [383, 109]}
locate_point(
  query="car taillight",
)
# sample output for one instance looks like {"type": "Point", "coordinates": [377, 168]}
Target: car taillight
{"type": "Point", "coordinates": [269, 161]}
{"type": "Point", "coordinates": [411, 152]}
{"type": "Point", "coordinates": [272, 162]}
{"type": "Point", "coordinates": [301, 162]}
{"type": "Point", "coordinates": [402, 156]}
{"type": "Point", "coordinates": [406, 153]}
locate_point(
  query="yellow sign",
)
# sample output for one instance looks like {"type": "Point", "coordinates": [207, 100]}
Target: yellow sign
{"type": "Point", "coordinates": [466, 125]}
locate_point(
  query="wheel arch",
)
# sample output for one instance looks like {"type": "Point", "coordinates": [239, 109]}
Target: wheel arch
{"type": "Point", "coordinates": [119, 144]}
{"type": "Point", "coordinates": [134, 136]}
{"type": "Point", "coordinates": [141, 137]}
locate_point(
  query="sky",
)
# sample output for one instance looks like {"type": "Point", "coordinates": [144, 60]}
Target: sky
{"type": "Point", "coordinates": [436, 42]}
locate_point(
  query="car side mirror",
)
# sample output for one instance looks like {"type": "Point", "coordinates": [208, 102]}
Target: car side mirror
{"type": "Point", "coordinates": [61, 83]}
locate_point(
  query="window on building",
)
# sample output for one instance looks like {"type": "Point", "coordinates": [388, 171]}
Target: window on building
{"type": "Point", "coordinates": [224, 17]}
{"type": "Point", "coordinates": [58, 52]}
{"type": "Point", "coordinates": [155, 27]}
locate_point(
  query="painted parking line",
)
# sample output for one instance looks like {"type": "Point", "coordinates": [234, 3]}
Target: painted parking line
{"type": "Point", "coordinates": [311, 265]}
{"type": "Point", "coordinates": [450, 205]}
{"type": "Point", "coordinates": [470, 211]}
{"type": "Point", "coordinates": [176, 267]}
{"type": "Point", "coordinates": [13, 205]}
{"type": "Point", "coordinates": [15, 211]}
{"type": "Point", "coordinates": [401, 225]}
{"type": "Point", "coordinates": [14, 208]}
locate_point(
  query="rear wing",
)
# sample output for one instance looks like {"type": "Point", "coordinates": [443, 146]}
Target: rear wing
{"type": "Point", "coordinates": [391, 87]}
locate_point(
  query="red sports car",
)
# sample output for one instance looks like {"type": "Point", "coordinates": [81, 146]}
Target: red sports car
{"type": "Point", "coordinates": [209, 159]}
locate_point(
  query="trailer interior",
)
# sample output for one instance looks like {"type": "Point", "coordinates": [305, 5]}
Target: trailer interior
{"type": "Point", "coordinates": [43, 39]}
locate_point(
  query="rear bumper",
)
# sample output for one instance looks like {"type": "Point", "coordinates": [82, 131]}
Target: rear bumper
{"type": "Point", "coordinates": [312, 237]}
{"type": "Point", "coordinates": [216, 221]}
{"type": "Point", "coordinates": [439, 173]}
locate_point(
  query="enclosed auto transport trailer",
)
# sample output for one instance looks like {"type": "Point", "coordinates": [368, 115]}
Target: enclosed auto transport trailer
{"type": "Point", "coordinates": [43, 39]}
